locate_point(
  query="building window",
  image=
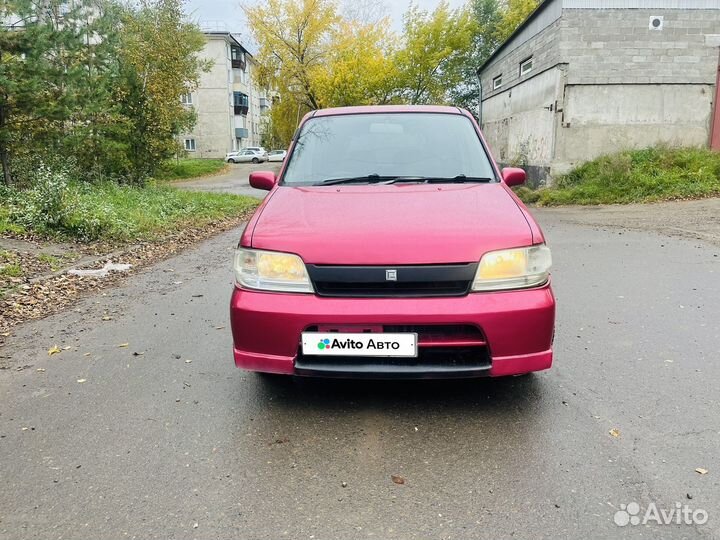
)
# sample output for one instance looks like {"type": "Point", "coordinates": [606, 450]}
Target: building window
{"type": "Point", "coordinates": [526, 66]}
{"type": "Point", "coordinates": [237, 57]}
{"type": "Point", "coordinates": [190, 145]}
{"type": "Point", "coordinates": [497, 82]}
{"type": "Point", "coordinates": [186, 99]}
{"type": "Point", "coordinates": [241, 103]}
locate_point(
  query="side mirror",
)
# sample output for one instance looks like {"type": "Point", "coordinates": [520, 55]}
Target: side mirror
{"type": "Point", "coordinates": [263, 180]}
{"type": "Point", "coordinates": [513, 176]}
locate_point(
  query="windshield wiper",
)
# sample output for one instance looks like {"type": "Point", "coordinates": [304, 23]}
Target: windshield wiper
{"type": "Point", "coordinates": [368, 179]}
{"type": "Point", "coordinates": [459, 179]}
{"type": "Point", "coordinates": [376, 178]}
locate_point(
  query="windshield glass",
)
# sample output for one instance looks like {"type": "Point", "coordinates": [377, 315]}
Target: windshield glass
{"type": "Point", "coordinates": [393, 144]}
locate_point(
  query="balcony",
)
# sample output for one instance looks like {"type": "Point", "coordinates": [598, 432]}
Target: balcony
{"type": "Point", "coordinates": [240, 109]}
{"type": "Point", "coordinates": [264, 103]}
{"type": "Point", "coordinates": [238, 64]}
{"type": "Point", "coordinates": [241, 133]}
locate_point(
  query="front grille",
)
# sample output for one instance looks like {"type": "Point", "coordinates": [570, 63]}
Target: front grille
{"type": "Point", "coordinates": [444, 350]}
{"type": "Point", "coordinates": [441, 362]}
{"type": "Point", "coordinates": [392, 281]}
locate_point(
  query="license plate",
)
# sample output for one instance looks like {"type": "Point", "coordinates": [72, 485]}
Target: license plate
{"type": "Point", "coordinates": [341, 344]}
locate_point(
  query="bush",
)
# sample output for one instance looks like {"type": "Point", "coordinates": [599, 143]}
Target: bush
{"type": "Point", "coordinates": [83, 211]}
{"type": "Point", "coordinates": [47, 205]}
{"type": "Point", "coordinates": [633, 176]}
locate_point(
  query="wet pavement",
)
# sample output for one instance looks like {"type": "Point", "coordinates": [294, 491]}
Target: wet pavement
{"type": "Point", "coordinates": [144, 428]}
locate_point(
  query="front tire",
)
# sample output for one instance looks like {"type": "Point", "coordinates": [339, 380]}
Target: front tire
{"type": "Point", "coordinates": [231, 160]}
{"type": "Point", "coordinates": [255, 160]}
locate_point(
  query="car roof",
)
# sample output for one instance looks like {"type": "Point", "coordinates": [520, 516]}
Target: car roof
{"type": "Point", "coordinates": [365, 109]}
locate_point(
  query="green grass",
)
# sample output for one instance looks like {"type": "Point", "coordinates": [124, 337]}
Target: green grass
{"type": "Point", "coordinates": [189, 168]}
{"type": "Point", "coordinates": [635, 176]}
{"type": "Point", "coordinates": [10, 270]}
{"type": "Point", "coordinates": [114, 213]}
{"type": "Point", "coordinates": [51, 260]}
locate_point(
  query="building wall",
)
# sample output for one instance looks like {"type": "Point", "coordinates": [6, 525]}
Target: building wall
{"type": "Point", "coordinates": [601, 119]}
{"type": "Point", "coordinates": [520, 124]}
{"type": "Point", "coordinates": [213, 129]}
{"type": "Point", "coordinates": [543, 46]}
{"type": "Point", "coordinates": [629, 86]}
{"type": "Point", "coordinates": [617, 46]}
{"type": "Point", "coordinates": [619, 85]}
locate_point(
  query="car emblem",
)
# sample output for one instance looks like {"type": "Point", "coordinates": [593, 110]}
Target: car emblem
{"type": "Point", "coordinates": [390, 275]}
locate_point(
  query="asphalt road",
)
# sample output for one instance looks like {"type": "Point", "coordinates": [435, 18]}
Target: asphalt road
{"type": "Point", "coordinates": [175, 442]}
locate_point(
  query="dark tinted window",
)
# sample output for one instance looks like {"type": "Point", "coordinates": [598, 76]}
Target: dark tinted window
{"type": "Point", "coordinates": [393, 144]}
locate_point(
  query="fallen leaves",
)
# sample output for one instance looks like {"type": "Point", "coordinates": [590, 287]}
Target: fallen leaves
{"type": "Point", "coordinates": [40, 295]}
{"type": "Point", "coordinates": [54, 350]}
{"type": "Point", "coordinates": [614, 432]}
{"type": "Point", "coordinates": [396, 478]}
{"type": "Point", "coordinates": [123, 345]}
{"type": "Point", "coordinates": [700, 470]}
{"type": "Point", "coordinates": [81, 380]}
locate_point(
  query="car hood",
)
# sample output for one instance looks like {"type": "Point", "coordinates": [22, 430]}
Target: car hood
{"type": "Point", "coordinates": [393, 224]}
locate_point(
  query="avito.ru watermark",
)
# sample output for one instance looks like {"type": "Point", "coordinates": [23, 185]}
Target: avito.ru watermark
{"type": "Point", "coordinates": [680, 514]}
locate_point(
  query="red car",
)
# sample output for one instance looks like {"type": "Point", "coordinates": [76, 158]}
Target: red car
{"type": "Point", "coordinates": [390, 245]}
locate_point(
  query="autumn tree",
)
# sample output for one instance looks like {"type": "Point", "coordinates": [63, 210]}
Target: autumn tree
{"type": "Point", "coordinates": [159, 61]}
{"type": "Point", "coordinates": [435, 47]}
{"type": "Point", "coordinates": [514, 12]}
{"type": "Point", "coordinates": [359, 69]}
{"type": "Point", "coordinates": [294, 42]}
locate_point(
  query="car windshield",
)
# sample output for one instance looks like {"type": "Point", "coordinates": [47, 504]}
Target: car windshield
{"type": "Point", "coordinates": [424, 145]}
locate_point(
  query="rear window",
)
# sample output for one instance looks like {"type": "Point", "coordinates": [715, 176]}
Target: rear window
{"type": "Point", "coordinates": [393, 144]}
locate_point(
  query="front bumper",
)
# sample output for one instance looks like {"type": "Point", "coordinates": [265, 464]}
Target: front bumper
{"type": "Point", "coordinates": [517, 326]}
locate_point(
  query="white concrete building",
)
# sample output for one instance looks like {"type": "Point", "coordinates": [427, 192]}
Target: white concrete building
{"type": "Point", "coordinates": [227, 101]}
{"type": "Point", "coordinates": [582, 78]}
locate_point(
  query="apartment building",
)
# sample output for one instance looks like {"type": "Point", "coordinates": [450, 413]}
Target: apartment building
{"type": "Point", "coordinates": [228, 103]}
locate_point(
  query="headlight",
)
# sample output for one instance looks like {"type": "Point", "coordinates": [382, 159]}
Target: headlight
{"type": "Point", "coordinates": [271, 271]}
{"type": "Point", "coordinates": [513, 269]}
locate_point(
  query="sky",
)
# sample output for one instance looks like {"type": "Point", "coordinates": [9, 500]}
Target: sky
{"type": "Point", "coordinates": [226, 15]}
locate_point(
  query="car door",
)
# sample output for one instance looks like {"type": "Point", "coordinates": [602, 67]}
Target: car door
{"type": "Point", "coordinates": [246, 156]}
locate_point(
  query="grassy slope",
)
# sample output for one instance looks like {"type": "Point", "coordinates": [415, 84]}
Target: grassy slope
{"type": "Point", "coordinates": [120, 214]}
{"type": "Point", "coordinates": [635, 176]}
{"type": "Point", "coordinates": [190, 168]}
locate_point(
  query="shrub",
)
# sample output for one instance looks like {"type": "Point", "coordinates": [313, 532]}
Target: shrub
{"type": "Point", "coordinates": [632, 176]}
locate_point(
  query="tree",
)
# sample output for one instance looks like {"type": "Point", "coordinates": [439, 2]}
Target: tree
{"type": "Point", "coordinates": [494, 20]}
{"type": "Point", "coordinates": [435, 48]}
{"type": "Point", "coordinates": [293, 36]}
{"type": "Point", "coordinates": [159, 61]}
{"type": "Point", "coordinates": [54, 57]}
{"type": "Point", "coordinates": [359, 68]}
{"type": "Point", "coordinates": [487, 15]}
{"type": "Point", "coordinates": [514, 13]}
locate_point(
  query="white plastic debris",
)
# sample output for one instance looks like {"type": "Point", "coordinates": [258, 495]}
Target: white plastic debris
{"type": "Point", "coordinates": [101, 272]}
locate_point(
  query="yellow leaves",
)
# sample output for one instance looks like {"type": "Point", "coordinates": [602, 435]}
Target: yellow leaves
{"type": "Point", "coordinates": [54, 350]}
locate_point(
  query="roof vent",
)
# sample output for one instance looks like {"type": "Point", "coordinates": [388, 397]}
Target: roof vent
{"type": "Point", "coordinates": [656, 22]}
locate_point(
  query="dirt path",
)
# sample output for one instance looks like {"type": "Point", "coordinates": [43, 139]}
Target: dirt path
{"type": "Point", "coordinates": [696, 220]}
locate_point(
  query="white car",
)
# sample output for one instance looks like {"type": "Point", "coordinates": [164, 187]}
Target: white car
{"type": "Point", "coordinates": [277, 155]}
{"type": "Point", "coordinates": [248, 155]}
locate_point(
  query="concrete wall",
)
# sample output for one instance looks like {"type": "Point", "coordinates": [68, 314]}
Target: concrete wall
{"type": "Point", "coordinates": [601, 119]}
{"type": "Point", "coordinates": [544, 48]}
{"type": "Point", "coordinates": [520, 123]}
{"type": "Point", "coordinates": [617, 84]}
{"type": "Point", "coordinates": [617, 46]}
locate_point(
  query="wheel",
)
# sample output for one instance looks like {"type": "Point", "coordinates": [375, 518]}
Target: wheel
{"type": "Point", "coordinates": [231, 160]}
{"type": "Point", "coordinates": [256, 160]}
